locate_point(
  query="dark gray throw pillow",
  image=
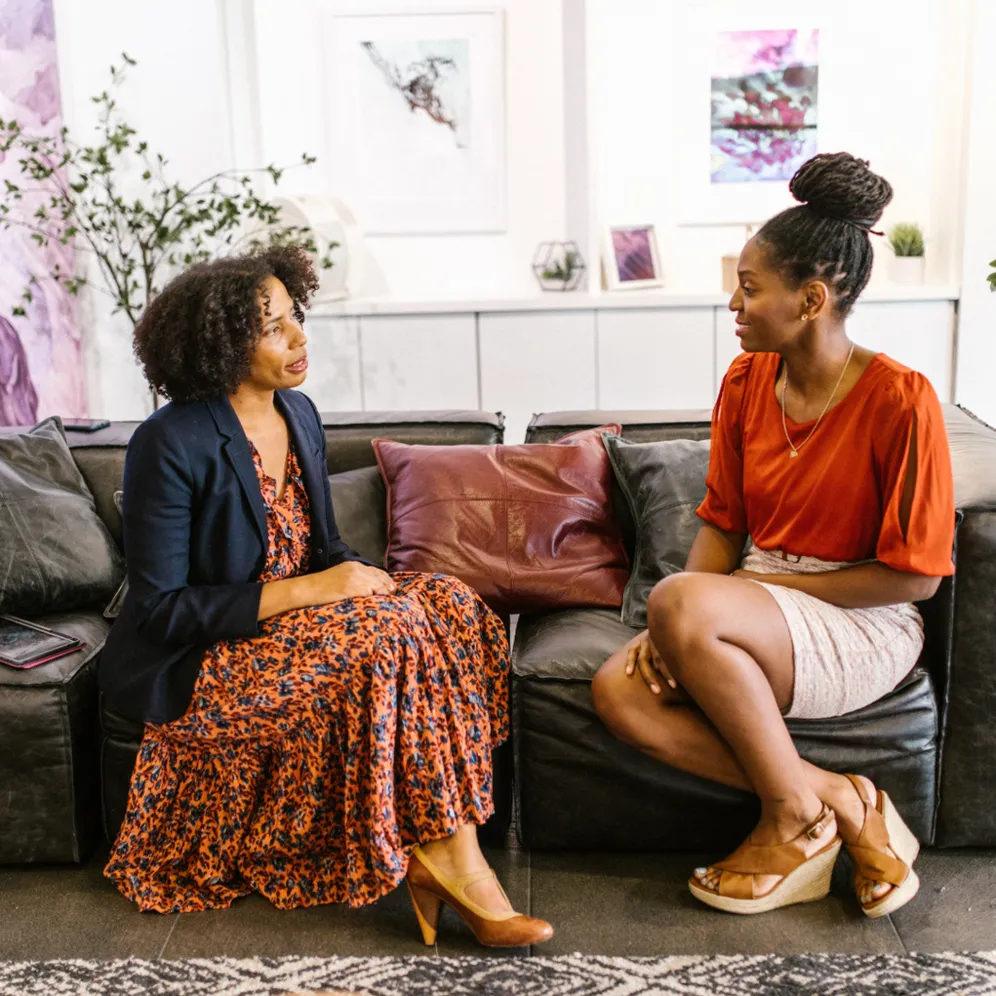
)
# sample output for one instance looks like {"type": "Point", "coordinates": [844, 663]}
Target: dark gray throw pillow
{"type": "Point", "coordinates": [55, 553]}
{"type": "Point", "coordinates": [664, 483]}
{"type": "Point", "coordinates": [359, 502]}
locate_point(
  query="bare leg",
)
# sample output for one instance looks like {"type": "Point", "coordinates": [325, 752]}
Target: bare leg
{"type": "Point", "coordinates": [677, 732]}
{"type": "Point", "coordinates": [461, 855]}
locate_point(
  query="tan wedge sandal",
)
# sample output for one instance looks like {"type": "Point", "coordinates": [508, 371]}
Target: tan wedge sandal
{"type": "Point", "coordinates": [804, 877]}
{"type": "Point", "coordinates": [883, 831]}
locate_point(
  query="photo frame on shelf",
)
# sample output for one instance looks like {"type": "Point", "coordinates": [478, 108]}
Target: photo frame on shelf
{"type": "Point", "coordinates": [747, 109]}
{"type": "Point", "coordinates": [418, 100]}
{"type": "Point", "coordinates": [631, 260]}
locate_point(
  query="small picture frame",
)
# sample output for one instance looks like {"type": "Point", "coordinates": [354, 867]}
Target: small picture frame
{"type": "Point", "coordinates": [631, 258]}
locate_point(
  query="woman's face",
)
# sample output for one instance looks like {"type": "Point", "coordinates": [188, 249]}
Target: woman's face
{"type": "Point", "coordinates": [280, 359]}
{"type": "Point", "coordinates": [769, 313]}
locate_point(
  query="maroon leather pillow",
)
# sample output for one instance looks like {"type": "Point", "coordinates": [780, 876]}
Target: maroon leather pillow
{"type": "Point", "coordinates": [529, 527]}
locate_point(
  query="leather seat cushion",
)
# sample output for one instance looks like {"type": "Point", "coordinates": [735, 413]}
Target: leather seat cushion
{"type": "Point", "coordinates": [49, 738]}
{"type": "Point", "coordinates": [579, 787]}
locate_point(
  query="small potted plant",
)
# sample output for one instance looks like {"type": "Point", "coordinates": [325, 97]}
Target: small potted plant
{"type": "Point", "coordinates": [992, 276]}
{"type": "Point", "coordinates": [558, 266]}
{"type": "Point", "coordinates": [907, 251]}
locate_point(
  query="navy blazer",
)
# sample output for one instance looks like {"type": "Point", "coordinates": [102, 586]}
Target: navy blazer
{"type": "Point", "coordinates": [195, 542]}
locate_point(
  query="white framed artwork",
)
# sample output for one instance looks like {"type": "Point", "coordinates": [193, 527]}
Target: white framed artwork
{"type": "Point", "coordinates": [747, 112]}
{"type": "Point", "coordinates": [630, 258]}
{"type": "Point", "coordinates": [416, 116]}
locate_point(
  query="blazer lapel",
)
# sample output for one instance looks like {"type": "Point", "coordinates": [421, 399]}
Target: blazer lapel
{"type": "Point", "coordinates": [238, 454]}
{"type": "Point", "coordinates": [313, 470]}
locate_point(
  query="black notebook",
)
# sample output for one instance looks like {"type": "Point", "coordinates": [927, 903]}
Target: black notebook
{"type": "Point", "coordinates": [26, 644]}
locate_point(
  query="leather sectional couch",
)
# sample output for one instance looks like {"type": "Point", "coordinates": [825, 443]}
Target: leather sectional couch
{"type": "Point", "coordinates": [931, 743]}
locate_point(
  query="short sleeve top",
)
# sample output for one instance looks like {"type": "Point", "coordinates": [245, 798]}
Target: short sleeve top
{"type": "Point", "coordinates": [840, 499]}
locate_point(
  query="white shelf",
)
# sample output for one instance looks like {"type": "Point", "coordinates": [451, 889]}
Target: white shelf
{"type": "Point", "coordinates": [583, 301]}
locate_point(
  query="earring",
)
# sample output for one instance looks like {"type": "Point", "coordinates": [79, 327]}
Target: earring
{"type": "Point", "coordinates": [805, 317]}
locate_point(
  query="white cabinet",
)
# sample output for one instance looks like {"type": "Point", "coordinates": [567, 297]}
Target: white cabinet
{"type": "Point", "coordinates": [919, 334]}
{"type": "Point", "coordinates": [536, 362]}
{"type": "Point", "coordinates": [412, 362]}
{"type": "Point", "coordinates": [655, 358]}
{"type": "Point", "coordinates": [334, 364]}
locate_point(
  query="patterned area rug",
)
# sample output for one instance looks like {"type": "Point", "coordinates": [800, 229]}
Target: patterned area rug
{"type": "Point", "coordinates": [948, 974]}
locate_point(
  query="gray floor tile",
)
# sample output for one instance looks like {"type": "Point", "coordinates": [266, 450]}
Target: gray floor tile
{"type": "Point", "coordinates": [254, 927]}
{"type": "Point", "coordinates": [633, 904]}
{"type": "Point", "coordinates": [955, 909]}
{"type": "Point", "coordinates": [455, 938]}
{"type": "Point", "coordinates": [73, 912]}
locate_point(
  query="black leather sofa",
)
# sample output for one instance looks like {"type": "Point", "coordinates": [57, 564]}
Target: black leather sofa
{"type": "Point", "coordinates": [931, 743]}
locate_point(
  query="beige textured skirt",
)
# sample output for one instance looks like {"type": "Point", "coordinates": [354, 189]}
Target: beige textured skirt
{"type": "Point", "coordinates": [844, 658]}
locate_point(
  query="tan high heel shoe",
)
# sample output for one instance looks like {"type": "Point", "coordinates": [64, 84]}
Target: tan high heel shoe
{"type": "Point", "coordinates": [884, 830]}
{"type": "Point", "coordinates": [804, 877]}
{"type": "Point", "coordinates": [430, 889]}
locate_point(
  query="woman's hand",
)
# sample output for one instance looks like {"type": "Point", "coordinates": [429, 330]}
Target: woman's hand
{"type": "Point", "coordinates": [642, 656]}
{"type": "Point", "coordinates": [348, 580]}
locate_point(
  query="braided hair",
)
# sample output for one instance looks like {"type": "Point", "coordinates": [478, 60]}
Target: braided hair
{"type": "Point", "coordinates": [826, 236]}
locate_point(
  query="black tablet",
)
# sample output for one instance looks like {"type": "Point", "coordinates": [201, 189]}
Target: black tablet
{"type": "Point", "coordinates": [25, 644]}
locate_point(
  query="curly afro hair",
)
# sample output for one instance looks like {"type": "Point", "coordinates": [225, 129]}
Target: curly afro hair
{"type": "Point", "coordinates": [826, 236]}
{"type": "Point", "coordinates": [196, 338]}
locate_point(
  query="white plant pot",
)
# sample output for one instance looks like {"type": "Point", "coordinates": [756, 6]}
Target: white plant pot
{"type": "Point", "coordinates": [907, 269]}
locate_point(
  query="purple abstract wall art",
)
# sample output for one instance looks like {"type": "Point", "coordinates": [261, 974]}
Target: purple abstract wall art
{"type": "Point", "coordinates": [634, 257]}
{"type": "Point", "coordinates": [41, 363]}
{"type": "Point", "coordinates": [764, 104]}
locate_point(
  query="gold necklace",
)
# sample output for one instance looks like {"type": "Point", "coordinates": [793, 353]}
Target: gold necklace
{"type": "Point", "coordinates": [793, 449]}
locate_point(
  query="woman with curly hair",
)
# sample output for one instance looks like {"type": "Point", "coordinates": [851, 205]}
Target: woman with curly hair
{"type": "Point", "coordinates": [829, 511]}
{"type": "Point", "coordinates": [317, 729]}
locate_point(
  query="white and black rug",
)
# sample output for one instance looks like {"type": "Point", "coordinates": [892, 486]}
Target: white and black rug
{"type": "Point", "coordinates": [949, 974]}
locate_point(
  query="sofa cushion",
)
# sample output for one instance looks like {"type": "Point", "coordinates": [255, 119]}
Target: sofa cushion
{"type": "Point", "coordinates": [663, 484]}
{"type": "Point", "coordinates": [579, 787]}
{"type": "Point", "coordinates": [56, 553]}
{"type": "Point", "coordinates": [48, 750]}
{"type": "Point", "coordinates": [528, 527]}
{"type": "Point", "coordinates": [359, 500]}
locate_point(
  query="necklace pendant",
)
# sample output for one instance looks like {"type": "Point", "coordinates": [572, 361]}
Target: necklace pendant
{"type": "Point", "coordinates": [793, 454]}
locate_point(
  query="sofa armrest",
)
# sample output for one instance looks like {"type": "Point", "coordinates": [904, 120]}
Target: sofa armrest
{"type": "Point", "coordinates": [968, 695]}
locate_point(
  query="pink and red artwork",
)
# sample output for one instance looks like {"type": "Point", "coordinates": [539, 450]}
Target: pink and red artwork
{"type": "Point", "coordinates": [41, 365]}
{"type": "Point", "coordinates": [764, 98]}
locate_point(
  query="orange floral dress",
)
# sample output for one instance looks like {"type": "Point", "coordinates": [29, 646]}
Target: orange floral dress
{"type": "Point", "coordinates": [315, 755]}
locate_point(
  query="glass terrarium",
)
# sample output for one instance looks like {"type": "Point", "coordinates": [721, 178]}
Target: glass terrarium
{"type": "Point", "coordinates": [558, 266]}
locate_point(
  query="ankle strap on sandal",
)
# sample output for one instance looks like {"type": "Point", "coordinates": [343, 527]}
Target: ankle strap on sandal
{"type": "Point", "coordinates": [818, 827]}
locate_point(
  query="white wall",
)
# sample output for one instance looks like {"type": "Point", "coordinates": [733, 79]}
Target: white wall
{"type": "Point", "coordinates": [176, 97]}
{"type": "Point", "coordinates": [291, 111]}
{"type": "Point", "coordinates": [891, 89]}
{"type": "Point", "coordinates": [976, 363]}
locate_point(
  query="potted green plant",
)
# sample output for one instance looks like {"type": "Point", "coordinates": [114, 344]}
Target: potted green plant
{"type": "Point", "coordinates": [128, 246]}
{"type": "Point", "coordinates": [907, 264]}
{"type": "Point", "coordinates": [558, 266]}
{"type": "Point", "coordinates": [992, 276]}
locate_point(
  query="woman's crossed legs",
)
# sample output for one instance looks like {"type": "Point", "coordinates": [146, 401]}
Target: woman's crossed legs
{"type": "Point", "coordinates": [728, 648]}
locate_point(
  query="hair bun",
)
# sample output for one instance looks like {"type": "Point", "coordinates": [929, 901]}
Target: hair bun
{"type": "Point", "coordinates": [837, 185]}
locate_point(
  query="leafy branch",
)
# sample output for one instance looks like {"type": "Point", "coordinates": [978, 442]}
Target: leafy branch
{"type": "Point", "coordinates": [73, 195]}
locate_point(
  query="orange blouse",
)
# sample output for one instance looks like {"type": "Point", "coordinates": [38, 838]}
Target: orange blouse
{"type": "Point", "coordinates": [839, 499]}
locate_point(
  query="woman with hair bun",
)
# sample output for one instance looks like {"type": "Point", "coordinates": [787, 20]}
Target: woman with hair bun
{"type": "Point", "coordinates": [829, 512]}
